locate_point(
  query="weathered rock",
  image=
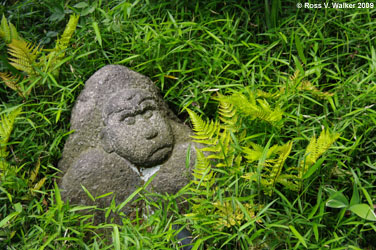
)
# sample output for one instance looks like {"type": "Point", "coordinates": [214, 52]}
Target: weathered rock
{"type": "Point", "coordinates": [123, 133]}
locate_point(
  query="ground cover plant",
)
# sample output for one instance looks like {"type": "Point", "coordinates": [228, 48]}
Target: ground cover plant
{"type": "Point", "coordinates": [283, 97]}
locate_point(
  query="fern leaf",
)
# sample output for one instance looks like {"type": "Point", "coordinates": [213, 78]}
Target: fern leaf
{"type": "Point", "coordinates": [63, 42]}
{"type": "Point", "coordinates": [6, 127]}
{"type": "Point", "coordinates": [276, 168]}
{"type": "Point", "coordinates": [202, 171]}
{"type": "Point", "coordinates": [231, 214]}
{"type": "Point", "coordinates": [7, 31]}
{"type": "Point", "coordinates": [13, 32]}
{"type": "Point", "coordinates": [264, 94]}
{"type": "Point", "coordinates": [228, 114]}
{"type": "Point", "coordinates": [252, 154]}
{"type": "Point", "coordinates": [308, 86]}
{"type": "Point", "coordinates": [38, 185]}
{"type": "Point", "coordinates": [255, 154]}
{"type": "Point", "coordinates": [221, 147]}
{"type": "Point", "coordinates": [252, 176]}
{"type": "Point", "coordinates": [272, 167]}
{"type": "Point", "coordinates": [255, 109]}
{"type": "Point", "coordinates": [206, 132]}
{"type": "Point", "coordinates": [24, 55]}
{"type": "Point", "coordinates": [6, 124]}
{"type": "Point", "coordinates": [295, 75]}
{"type": "Point", "coordinates": [316, 148]}
{"type": "Point", "coordinates": [11, 81]}
{"type": "Point", "coordinates": [35, 172]}
{"type": "Point", "coordinates": [289, 181]}
{"type": "Point", "coordinates": [58, 53]}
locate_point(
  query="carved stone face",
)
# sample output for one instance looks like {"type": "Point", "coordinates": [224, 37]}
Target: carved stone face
{"type": "Point", "coordinates": [136, 129]}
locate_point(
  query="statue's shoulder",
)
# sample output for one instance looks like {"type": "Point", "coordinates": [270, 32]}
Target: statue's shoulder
{"type": "Point", "coordinates": [99, 158]}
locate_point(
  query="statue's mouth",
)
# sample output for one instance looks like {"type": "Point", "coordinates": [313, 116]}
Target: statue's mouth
{"type": "Point", "coordinates": [161, 152]}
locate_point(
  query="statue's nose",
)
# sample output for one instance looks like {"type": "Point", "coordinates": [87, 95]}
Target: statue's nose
{"type": "Point", "coordinates": [151, 133]}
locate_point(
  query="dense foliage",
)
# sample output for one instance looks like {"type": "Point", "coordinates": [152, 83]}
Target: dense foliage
{"type": "Point", "coordinates": [290, 159]}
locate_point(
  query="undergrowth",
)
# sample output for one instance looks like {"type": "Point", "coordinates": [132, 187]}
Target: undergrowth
{"type": "Point", "coordinates": [289, 155]}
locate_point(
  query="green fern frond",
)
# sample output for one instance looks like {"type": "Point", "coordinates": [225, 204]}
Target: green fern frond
{"type": "Point", "coordinates": [24, 55]}
{"type": "Point", "coordinates": [289, 181]}
{"type": "Point", "coordinates": [256, 152]}
{"type": "Point", "coordinates": [251, 176]}
{"type": "Point", "coordinates": [58, 53]}
{"type": "Point", "coordinates": [277, 165]}
{"type": "Point", "coordinates": [222, 145]}
{"type": "Point", "coordinates": [295, 76]}
{"type": "Point", "coordinates": [206, 132]}
{"type": "Point", "coordinates": [266, 113]}
{"type": "Point", "coordinates": [228, 114]}
{"type": "Point", "coordinates": [308, 86]}
{"type": "Point", "coordinates": [223, 152]}
{"type": "Point", "coordinates": [316, 148]}
{"type": "Point", "coordinates": [7, 31]}
{"type": "Point", "coordinates": [255, 109]}
{"type": "Point", "coordinates": [6, 127]}
{"type": "Point", "coordinates": [272, 167]}
{"type": "Point", "coordinates": [253, 154]}
{"type": "Point", "coordinates": [231, 214]}
{"type": "Point", "coordinates": [34, 172]}
{"type": "Point", "coordinates": [202, 171]}
{"type": "Point", "coordinates": [63, 42]}
{"type": "Point", "coordinates": [11, 81]}
{"type": "Point", "coordinates": [264, 94]}
{"type": "Point", "coordinates": [297, 86]}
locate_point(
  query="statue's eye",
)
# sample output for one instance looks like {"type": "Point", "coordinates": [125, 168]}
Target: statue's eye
{"type": "Point", "coordinates": [148, 114]}
{"type": "Point", "coordinates": [129, 120]}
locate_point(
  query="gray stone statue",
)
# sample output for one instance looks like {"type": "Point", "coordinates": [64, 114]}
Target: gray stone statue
{"type": "Point", "coordinates": [123, 134]}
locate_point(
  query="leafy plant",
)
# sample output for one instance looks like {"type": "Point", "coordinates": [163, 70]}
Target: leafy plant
{"type": "Point", "coordinates": [30, 60]}
{"type": "Point", "coordinates": [338, 200]}
{"type": "Point", "coordinates": [8, 31]}
{"type": "Point", "coordinates": [6, 127]}
{"type": "Point", "coordinates": [315, 149]}
{"type": "Point", "coordinates": [191, 49]}
{"type": "Point", "coordinates": [227, 150]}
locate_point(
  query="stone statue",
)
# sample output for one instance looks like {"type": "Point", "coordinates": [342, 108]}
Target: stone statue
{"type": "Point", "coordinates": [123, 133]}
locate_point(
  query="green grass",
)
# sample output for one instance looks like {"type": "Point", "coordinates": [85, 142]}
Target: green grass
{"type": "Point", "coordinates": [191, 50]}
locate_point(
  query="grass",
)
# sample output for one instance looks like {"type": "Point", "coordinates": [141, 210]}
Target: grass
{"type": "Point", "coordinates": [191, 50]}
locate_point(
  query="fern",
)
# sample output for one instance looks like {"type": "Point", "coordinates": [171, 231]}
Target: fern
{"type": "Point", "coordinates": [202, 172]}
{"type": "Point", "coordinates": [6, 127]}
{"type": "Point", "coordinates": [272, 168]}
{"type": "Point", "coordinates": [295, 85]}
{"type": "Point", "coordinates": [63, 42]}
{"type": "Point", "coordinates": [264, 94]}
{"type": "Point", "coordinates": [217, 137]}
{"type": "Point", "coordinates": [58, 53]}
{"type": "Point", "coordinates": [27, 57]}
{"type": "Point", "coordinates": [7, 31]}
{"type": "Point", "coordinates": [205, 132]}
{"type": "Point", "coordinates": [254, 108]}
{"type": "Point", "coordinates": [35, 185]}
{"type": "Point", "coordinates": [229, 153]}
{"type": "Point", "coordinates": [230, 213]}
{"type": "Point", "coordinates": [316, 148]}
{"type": "Point", "coordinates": [24, 56]}
{"type": "Point", "coordinates": [11, 82]}
{"type": "Point", "coordinates": [253, 154]}
{"type": "Point", "coordinates": [308, 86]}
{"type": "Point", "coordinates": [227, 114]}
